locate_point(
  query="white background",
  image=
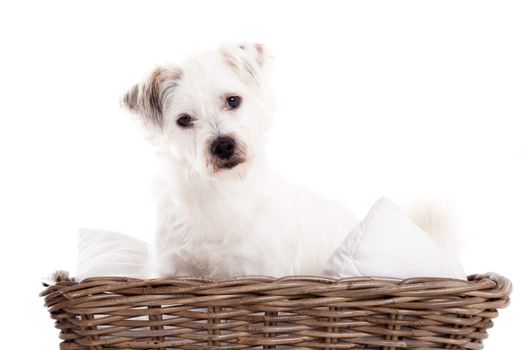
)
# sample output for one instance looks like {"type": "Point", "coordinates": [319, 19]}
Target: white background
{"type": "Point", "coordinates": [397, 99]}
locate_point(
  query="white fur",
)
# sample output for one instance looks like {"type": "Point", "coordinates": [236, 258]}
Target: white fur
{"type": "Point", "coordinates": [241, 221]}
{"type": "Point", "coordinates": [438, 218]}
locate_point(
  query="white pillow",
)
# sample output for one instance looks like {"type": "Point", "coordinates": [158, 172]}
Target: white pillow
{"type": "Point", "coordinates": [106, 253]}
{"type": "Point", "coordinates": [388, 244]}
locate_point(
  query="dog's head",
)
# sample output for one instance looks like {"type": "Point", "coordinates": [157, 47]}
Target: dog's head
{"type": "Point", "coordinates": [210, 112]}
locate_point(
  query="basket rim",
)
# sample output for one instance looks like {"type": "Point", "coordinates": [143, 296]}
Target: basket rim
{"type": "Point", "coordinates": [495, 284]}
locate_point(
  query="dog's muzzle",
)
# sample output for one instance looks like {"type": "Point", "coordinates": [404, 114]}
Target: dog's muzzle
{"type": "Point", "coordinates": [227, 153]}
{"type": "Point", "coordinates": [223, 147]}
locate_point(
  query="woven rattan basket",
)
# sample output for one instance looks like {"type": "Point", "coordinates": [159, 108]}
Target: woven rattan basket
{"type": "Point", "coordinates": [266, 313]}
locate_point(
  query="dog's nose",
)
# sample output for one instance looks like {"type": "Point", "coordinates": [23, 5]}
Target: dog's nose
{"type": "Point", "coordinates": [223, 147]}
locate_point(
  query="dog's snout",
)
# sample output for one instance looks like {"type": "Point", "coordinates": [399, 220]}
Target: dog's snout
{"type": "Point", "coordinates": [223, 147]}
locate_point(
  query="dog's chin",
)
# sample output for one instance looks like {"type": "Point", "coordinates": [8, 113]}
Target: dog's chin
{"type": "Point", "coordinates": [230, 164]}
{"type": "Point", "coordinates": [235, 168]}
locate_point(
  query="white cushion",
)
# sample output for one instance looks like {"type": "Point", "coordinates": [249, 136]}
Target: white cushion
{"type": "Point", "coordinates": [106, 253]}
{"type": "Point", "coordinates": [388, 244]}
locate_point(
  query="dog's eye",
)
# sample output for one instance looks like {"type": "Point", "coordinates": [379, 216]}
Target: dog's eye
{"type": "Point", "coordinates": [185, 120]}
{"type": "Point", "coordinates": [233, 102]}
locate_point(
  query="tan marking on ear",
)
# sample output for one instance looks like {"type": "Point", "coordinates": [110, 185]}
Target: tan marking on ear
{"type": "Point", "coordinates": [259, 48]}
{"type": "Point", "coordinates": [260, 54]}
{"type": "Point", "coordinates": [245, 61]}
{"type": "Point", "coordinates": [130, 99]}
{"type": "Point", "coordinates": [147, 99]}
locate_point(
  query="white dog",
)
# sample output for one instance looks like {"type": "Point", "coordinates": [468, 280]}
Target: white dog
{"type": "Point", "coordinates": [222, 211]}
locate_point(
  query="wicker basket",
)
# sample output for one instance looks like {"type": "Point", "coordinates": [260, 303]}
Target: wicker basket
{"type": "Point", "coordinates": [265, 313]}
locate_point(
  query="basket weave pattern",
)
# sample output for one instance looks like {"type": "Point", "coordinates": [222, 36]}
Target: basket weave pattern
{"type": "Point", "coordinates": [265, 313]}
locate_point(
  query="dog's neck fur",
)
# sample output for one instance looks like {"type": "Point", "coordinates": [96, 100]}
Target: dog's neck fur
{"type": "Point", "coordinates": [211, 204]}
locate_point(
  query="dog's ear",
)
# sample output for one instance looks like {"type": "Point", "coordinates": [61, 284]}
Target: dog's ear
{"type": "Point", "coordinates": [249, 61]}
{"type": "Point", "coordinates": [147, 98]}
{"type": "Point", "coordinates": [257, 51]}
